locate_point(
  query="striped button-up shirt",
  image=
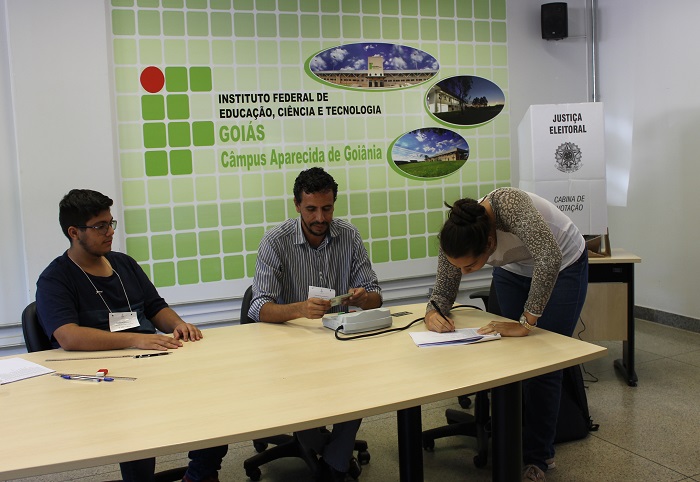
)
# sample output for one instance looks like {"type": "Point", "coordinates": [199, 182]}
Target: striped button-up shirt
{"type": "Point", "coordinates": [287, 265]}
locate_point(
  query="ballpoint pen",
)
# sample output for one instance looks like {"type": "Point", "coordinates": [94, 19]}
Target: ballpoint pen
{"type": "Point", "coordinates": [87, 378]}
{"type": "Point", "coordinates": [146, 355]}
{"type": "Point", "coordinates": [108, 356]}
{"type": "Point", "coordinates": [437, 308]}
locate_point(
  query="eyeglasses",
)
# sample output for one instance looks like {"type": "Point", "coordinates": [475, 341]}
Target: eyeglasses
{"type": "Point", "coordinates": [102, 228]}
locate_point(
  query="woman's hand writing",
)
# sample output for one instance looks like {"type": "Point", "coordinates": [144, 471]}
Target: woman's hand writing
{"type": "Point", "coordinates": [435, 322]}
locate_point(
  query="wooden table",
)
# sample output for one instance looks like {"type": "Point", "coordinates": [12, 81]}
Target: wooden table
{"type": "Point", "coordinates": [608, 313]}
{"type": "Point", "coordinates": [250, 381]}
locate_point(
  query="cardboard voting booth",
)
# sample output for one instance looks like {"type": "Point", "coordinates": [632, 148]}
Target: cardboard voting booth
{"type": "Point", "coordinates": [562, 159]}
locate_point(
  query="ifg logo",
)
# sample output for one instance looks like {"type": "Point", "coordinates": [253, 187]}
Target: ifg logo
{"type": "Point", "coordinates": [568, 157]}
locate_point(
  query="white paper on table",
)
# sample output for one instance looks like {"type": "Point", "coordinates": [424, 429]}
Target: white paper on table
{"type": "Point", "coordinates": [461, 336]}
{"type": "Point", "coordinates": [15, 369]}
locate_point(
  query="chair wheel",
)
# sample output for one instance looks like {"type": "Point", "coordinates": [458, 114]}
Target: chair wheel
{"type": "Point", "coordinates": [464, 401]}
{"type": "Point", "coordinates": [253, 474]}
{"type": "Point", "coordinates": [363, 457]}
{"type": "Point", "coordinates": [259, 448]}
{"type": "Point", "coordinates": [355, 469]}
{"type": "Point", "coordinates": [480, 461]}
{"type": "Point", "coordinates": [429, 445]}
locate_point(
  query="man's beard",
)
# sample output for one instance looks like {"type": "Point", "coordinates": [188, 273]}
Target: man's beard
{"type": "Point", "coordinates": [312, 231]}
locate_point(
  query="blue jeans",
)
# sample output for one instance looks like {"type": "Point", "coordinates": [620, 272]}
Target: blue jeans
{"type": "Point", "coordinates": [542, 394]}
{"type": "Point", "coordinates": [204, 463]}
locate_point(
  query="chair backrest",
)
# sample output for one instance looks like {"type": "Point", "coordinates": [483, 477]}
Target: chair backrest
{"type": "Point", "coordinates": [245, 306]}
{"type": "Point", "coordinates": [34, 336]}
{"type": "Point", "coordinates": [489, 299]}
{"type": "Point", "coordinates": [492, 302]}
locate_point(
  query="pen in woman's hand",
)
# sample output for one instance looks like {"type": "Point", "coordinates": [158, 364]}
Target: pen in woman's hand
{"type": "Point", "coordinates": [449, 325]}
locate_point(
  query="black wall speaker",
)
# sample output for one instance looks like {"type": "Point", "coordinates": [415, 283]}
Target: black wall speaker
{"type": "Point", "coordinates": [555, 21]}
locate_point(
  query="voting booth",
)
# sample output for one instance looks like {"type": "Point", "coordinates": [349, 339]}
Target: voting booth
{"type": "Point", "coordinates": [562, 159]}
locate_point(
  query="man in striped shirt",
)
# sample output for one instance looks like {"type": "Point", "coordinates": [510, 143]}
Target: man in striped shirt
{"type": "Point", "coordinates": [315, 250]}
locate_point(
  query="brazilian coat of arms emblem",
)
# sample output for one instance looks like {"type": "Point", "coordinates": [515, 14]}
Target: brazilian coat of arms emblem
{"type": "Point", "coordinates": [568, 157]}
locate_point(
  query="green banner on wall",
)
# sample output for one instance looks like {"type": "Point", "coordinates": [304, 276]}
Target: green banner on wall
{"type": "Point", "coordinates": [220, 104]}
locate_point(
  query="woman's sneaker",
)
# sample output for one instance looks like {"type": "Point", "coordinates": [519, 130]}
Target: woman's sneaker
{"type": "Point", "coordinates": [551, 464]}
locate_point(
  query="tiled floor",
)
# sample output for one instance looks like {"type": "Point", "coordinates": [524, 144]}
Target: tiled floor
{"type": "Point", "coordinates": [647, 433]}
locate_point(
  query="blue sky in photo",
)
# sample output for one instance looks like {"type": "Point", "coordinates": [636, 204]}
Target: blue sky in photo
{"type": "Point", "coordinates": [429, 141]}
{"type": "Point", "coordinates": [354, 57]}
{"type": "Point", "coordinates": [480, 88]}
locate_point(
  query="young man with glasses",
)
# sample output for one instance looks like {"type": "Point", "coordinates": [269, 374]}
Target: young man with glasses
{"type": "Point", "coordinates": [93, 298]}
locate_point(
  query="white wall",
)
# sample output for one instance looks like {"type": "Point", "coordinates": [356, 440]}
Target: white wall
{"type": "Point", "coordinates": [12, 254]}
{"type": "Point", "coordinates": [649, 71]}
{"type": "Point", "coordinates": [544, 71]}
{"type": "Point", "coordinates": [59, 62]}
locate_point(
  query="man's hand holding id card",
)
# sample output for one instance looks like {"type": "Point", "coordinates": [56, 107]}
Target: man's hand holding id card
{"type": "Point", "coordinates": [336, 300]}
{"type": "Point", "coordinates": [328, 294]}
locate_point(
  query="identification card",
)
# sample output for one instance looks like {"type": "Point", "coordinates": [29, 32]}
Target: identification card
{"type": "Point", "coordinates": [322, 293]}
{"type": "Point", "coordinates": [123, 321]}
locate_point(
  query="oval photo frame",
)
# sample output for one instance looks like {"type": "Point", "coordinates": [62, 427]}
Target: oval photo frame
{"type": "Point", "coordinates": [372, 66]}
{"type": "Point", "coordinates": [428, 153]}
{"type": "Point", "coordinates": [464, 101]}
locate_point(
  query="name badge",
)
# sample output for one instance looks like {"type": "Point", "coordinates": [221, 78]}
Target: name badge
{"type": "Point", "coordinates": [123, 321]}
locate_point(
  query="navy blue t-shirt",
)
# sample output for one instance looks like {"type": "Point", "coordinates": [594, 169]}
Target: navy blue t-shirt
{"type": "Point", "coordinates": [64, 295]}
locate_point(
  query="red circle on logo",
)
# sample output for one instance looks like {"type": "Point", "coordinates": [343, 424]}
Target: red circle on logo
{"type": "Point", "coordinates": [152, 79]}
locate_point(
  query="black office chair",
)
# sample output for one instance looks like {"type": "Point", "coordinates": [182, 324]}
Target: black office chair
{"type": "Point", "coordinates": [288, 445]}
{"type": "Point", "coordinates": [35, 339]}
{"type": "Point", "coordinates": [462, 423]}
{"type": "Point", "coordinates": [34, 336]}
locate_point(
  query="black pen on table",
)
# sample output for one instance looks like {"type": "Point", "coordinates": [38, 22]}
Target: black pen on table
{"type": "Point", "coordinates": [146, 355]}
{"type": "Point", "coordinates": [437, 308]}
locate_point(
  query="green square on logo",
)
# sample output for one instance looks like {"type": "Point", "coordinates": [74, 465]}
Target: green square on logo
{"type": "Point", "coordinates": [200, 79]}
{"type": "Point", "coordinates": [176, 79]}
{"type": "Point", "coordinates": [178, 106]}
{"type": "Point", "coordinates": [181, 162]}
{"type": "Point", "coordinates": [152, 107]}
{"type": "Point", "coordinates": [153, 135]}
{"type": "Point", "coordinates": [156, 163]}
{"type": "Point", "coordinates": [179, 134]}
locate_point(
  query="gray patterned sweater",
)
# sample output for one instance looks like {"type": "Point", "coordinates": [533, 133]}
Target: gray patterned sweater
{"type": "Point", "coordinates": [534, 239]}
